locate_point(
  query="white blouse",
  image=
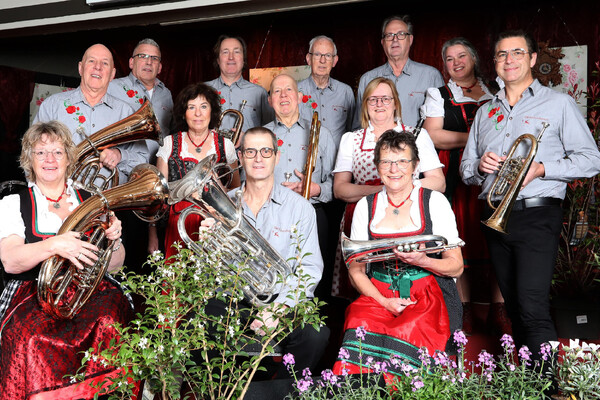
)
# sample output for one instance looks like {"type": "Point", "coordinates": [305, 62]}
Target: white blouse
{"type": "Point", "coordinates": [434, 103]}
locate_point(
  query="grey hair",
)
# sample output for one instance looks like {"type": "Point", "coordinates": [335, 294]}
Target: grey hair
{"type": "Point", "coordinates": [401, 18]}
{"type": "Point", "coordinates": [149, 41]}
{"type": "Point", "coordinates": [314, 40]}
{"type": "Point", "coordinates": [467, 45]}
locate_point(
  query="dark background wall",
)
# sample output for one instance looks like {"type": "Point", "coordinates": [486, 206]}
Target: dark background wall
{"type": "Point", "coordinates": [281, 39]}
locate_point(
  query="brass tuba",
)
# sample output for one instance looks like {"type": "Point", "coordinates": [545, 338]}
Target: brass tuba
{"type": "Point", "coordinates": [138, 126]}
{"type": "Point", "coordinates": [232, 134]}
{"type": "Point", "coordinates": [367, 251]}
{"type": "Point", "coordinates": [62, 288]}
{"type": "Point", "coordinates": [233, 237]}
{"type": "Point", "coordinates": [509, 180]}
{"type": "Point", "coordinates": [312, 153]}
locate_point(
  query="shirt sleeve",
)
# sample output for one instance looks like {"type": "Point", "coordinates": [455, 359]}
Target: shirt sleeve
{"type": "Point", "coordinates": [343, 162]}
{"type": "Point", "coordinates": [360, 229]}
{"type": "Point", "coordinates": [10, 214]}
{"type": "Point", "coordinates": [427, 154]}
{"type": "Point", "coordinates": [164, 152]}
{"type": "Point", "coordinates": [469, 165]}
{"type": "Point", "coordinates": [442, 217]}
{"type": "Point", "coordinates": [230, 154]}
{"type": "Point", "coordinates": [327, 157]}
{"type": "Point", "coordinates": [433, 105]}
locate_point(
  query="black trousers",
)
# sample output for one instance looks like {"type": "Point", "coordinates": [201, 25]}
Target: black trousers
{"type": "Point", "coordinates": [524, 261]}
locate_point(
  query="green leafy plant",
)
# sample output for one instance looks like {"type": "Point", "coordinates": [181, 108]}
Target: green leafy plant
{"type": "Point", "coordinates": [577, 371]}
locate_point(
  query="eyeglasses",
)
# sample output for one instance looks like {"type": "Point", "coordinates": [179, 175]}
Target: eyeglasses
{"type": "Point", "coordinates": [402, 163]}
{"type": "Point", "coordinates": [41, 155]}
{"type": "Point", "coordinates": [265, 152]}
{"type": "Point", "coordinates": [328, 56]}
{"type": "Point", "coordinates": [374, 100]}
{"type": "Point", "coordinates": [516, 54]}
{"type": "Point", "coordinates": [400, 36]}
{"type": "Point", "coordinates": [143, 56]}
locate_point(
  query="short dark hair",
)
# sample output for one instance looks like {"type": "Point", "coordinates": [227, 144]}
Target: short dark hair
{"type": "Point", "coordinates": [190, 92]}
{"type": "Point", "coordinates": [260, 130]}
{"type": "Point", "coordinates": [396, 141]}
{"type": "Point", "coordinates": [401, 18]}
{"type": "Point", "coordinates": [217, 49]}
{"type": "Point", "coordinates": [532, 46]}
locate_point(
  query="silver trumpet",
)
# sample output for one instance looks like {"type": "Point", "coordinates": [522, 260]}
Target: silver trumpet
{"type": "Point", "coordinates": [368, 251]}
{"type": "Point", "coordinates": [239, 243]}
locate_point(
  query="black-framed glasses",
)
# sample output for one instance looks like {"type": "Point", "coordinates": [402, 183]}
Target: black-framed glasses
{"type": "Point", "coordinates": [398, 35]}
{"type": "Point", "coordinates": [516, 54]}
{"type": "Point", "coordinates": [265, 152]}
{"type": "Point", "coordinates": [374, 100]}
{"type": "Point", "coordinates": [143, 56]}
{"type": "Point", "coordinates": [328, 56]}
{"type": "Point", "coordinates": [402, 163]}
{"type": "Point", "coordinates": [41, 155]}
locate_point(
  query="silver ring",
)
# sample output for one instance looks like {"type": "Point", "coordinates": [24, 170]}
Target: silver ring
{"type": "Point", "coordinates": [79, 256]}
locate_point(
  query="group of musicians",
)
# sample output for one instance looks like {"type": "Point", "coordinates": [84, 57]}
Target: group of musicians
{"type": "Point", "coordinates": [372, 153]}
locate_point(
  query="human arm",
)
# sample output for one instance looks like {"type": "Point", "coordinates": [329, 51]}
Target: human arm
{"type": "Point", "coordinates": [344, 189]}
{"type": "Point", "coordinates": [444, 139]}
{"type": "Point", "coordinates": [429, 164]}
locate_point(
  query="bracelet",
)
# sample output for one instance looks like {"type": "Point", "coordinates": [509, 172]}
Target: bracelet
{"type": "Point", "coordinates": [118, 246]}
{"type": "Point", "coordinates": [152, 224]}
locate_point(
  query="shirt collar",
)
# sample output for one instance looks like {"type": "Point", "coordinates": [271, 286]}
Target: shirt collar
{"type": "Point", "coordinates": [239, 83]}
{"type": "Point", "coordinates": [78, 97]}
{"type": "Point", "coordinates": [405, 70]}
{"type": "Point", "coordinates": [134, 80]}
{"type": "Point", "coordinates": [276, 195]}
{"type": "Point", "coordinates": [314, 86]}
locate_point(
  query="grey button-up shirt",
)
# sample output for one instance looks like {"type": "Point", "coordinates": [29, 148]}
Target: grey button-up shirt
{"type": "Point", "coordinates": [72, 109]}
{"type": "Point", "coordinates": [412, 85]}
{"type": "Point", "coordinates": [284, 213]}
{"type": "Point", "coordinates": [293, 145]}
{"type": "Point", "coordinates": [132, 91]}
{"type": "Point", "coordinates": [257, 111]}
{"type": "Point", "coordinates": [567, 148]}
{"type": "Point", "coordinates": [335, 104]}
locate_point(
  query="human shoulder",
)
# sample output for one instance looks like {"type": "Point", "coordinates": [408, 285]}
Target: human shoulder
{"type": "Point", "coordinates": [247, 85]}
{"type": "Point", "coordinates": [291, 200]}
{"type": "Point", "coordinates": [382, 70]}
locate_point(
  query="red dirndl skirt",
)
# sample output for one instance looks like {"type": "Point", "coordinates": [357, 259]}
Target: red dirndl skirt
{"type": "Point", "coordinates": [192, 225]}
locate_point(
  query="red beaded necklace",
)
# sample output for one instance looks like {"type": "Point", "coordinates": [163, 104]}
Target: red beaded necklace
{"type": "Point", "coordinates": [198, 146]}
{"type": "Point", "coordinates": [396, 210]}
{"type": "Point", "coordinates": [468, 89]}
{"type": "Point", "coordinates": [57, 201]}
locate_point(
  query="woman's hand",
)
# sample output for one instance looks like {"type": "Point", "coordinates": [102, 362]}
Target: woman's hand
{"type": "Point", "coordinates": [396, 305]}
{"type": "Point", "coordinates": [417, 258]}
{"type": "Point", "coordinates": [69, 245]}
{"type": "Point", "coordinates": [114, 227]}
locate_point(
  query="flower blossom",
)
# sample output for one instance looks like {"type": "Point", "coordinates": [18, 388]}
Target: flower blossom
{"type": "Point", "coordinates": [361, 333]}
{"type": "Point", "coordinates": [288, 360]}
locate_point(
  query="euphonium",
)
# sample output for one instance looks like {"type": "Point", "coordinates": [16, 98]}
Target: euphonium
{"type": "Point", "coordinates": [138, 126]}
{"type": "Point", "coordinates": [62, 288]}
{"type": "Point", "coordinates": [368, 251]}
{"type": "Point", "coordinates": [232, 236]}
{"type": "Point", "coordinates": [232, 134]}
{"type": "Point", "coordinates": [509, 180]}
{"type": "Point", "coordinates": [312, 153]}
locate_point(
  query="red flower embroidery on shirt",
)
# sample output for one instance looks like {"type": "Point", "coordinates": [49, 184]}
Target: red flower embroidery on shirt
{"type": "Point", "coordinates": [305, 98]}
{"type": "Point", "coordinates": [493, 111]}
{"type": "Point", "coordinates": [81, 119]}
{"type": "Point", "coordinates": [314, 105]}
{"type": "Point", "coordinates": [71, 109]}
{"type": "Point", "coordinates": [131, 93]}
{"type": "Point", "coordinates": [500, 118]}
{"type": "Point", "coordinates": [279, 142]}
{"type": "Point", "coordinates": [222, 101]}
{"type": "Point", "coordinates": [141, 101]}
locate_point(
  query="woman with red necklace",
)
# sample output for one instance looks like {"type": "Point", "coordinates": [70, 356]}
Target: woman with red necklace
{"type": "Point", "coordinates": [196, 114]}
{"type": "Point", "coordinates": [410, 301]}
{"type": "Point", "coordinates": [449, 112]}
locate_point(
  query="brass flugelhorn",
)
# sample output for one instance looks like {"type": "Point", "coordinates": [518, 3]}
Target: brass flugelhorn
{"type": "Point", "coordinates": [63, 289]}
{"type": "Point", "coordinates": [509, 180]}
{"type": "Point", "coordinates": [232, 134]}
{"type": "Point", "coordinates": [138, 126]}
{"type": "Point", "coordinates": [368, 251]}
{"type": "Point", "coordinates": [311, 154]}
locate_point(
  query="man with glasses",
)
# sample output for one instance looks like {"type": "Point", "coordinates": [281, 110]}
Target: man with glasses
{"type": "Point", "coordinates": [412, 79]}
{"type": "Point", "coordinates": [231, 58]}
{"type": "Point", "coordinates": [145, 64]}
{"type": "Point", "coordinates": [333, 99]}
{"type": "Point", "coordinates": [524, 257]}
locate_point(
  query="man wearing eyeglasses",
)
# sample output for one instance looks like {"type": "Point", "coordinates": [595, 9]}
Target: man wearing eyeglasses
{"type": "Point", "coordinates": [524, 257]}
{"type": "Point", "coordinates": [233, 89]}
{"type": "Point", "coordinates": [142, 82]}
{"type": "Point", "coordinates": [333, 99]}
{"type": "Point", "coordinates": [412, 79]}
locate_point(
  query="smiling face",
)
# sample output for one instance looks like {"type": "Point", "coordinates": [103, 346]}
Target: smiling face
{"type": "Point", "coordinates": [231, 58]}
{"type": "Point", "coordinates": [258, 168]}
{"type": "Point", "coordinates": [395, 178]}
{"type": "Point", "coordinates": [49, 170]}
{"type": "Point", "coordinates": [197, 115]}
{"type": "Point", "coordinates": [381, 114]}
{"type": "Point", "coordinates": [459, 63]}
{"type": "Point", "coordinates": [397, 49]}
{"type": "Point", "coordinates": [96, 68]}
{"type": "Point", "coordinates": [284, 96]}
{"type": "Point", "coordinates": [145, 69]}
{"type": "Point", "coordinates": [321, 66]}
{"type": "Point", "coordinates": [512, 71]}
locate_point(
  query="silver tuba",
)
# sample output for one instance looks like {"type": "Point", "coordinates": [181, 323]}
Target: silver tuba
{"type": "Point", "coordinates": [367, 251]}
{"type": "Point", "coordinates": [233, 236]}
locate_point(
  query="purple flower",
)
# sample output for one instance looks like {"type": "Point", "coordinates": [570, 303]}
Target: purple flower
{"type": "Point", "coordinates": [303, 385]}
{"type": "Point", "coordinates": [344, 354]}
{"type": "Point", "coordinates": [440, 358]}
{"type": "Point", "coordinates": [306, 373]}
{"type": "Point", "coordinates": [525, 354]}
{"type": "Point", "coordinates": [424, 356]}
{"type": "Point", "coordinates": [545, 351]}
{"type": "Point", "coordinates": [329, 377]}
{"type": "Point", "coordinates": [288, 360]}
{"type": "Point", "coordinates": [361, 333]}
{"type": "Point", "coordinates": [507, 343]}
{"type": "Point", "coordinates": [460, 338]}
{"type": "Point", "coordinates": [369, 361]}
{"type": "Point", "coordinates": [395, 360]}
{"type": "Point", "coordinates": [380, 367]}
{"type": "Point", "coordinates": [417, 383]}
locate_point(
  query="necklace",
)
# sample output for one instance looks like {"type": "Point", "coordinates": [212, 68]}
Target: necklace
{"type": "Point", "coordinates": [57, 201]}
{"type": "Point", "coordinates": [198, 146]}
{"type": "Point", "coordinates": [468, 89]}
{"type": "Point", "coordinates": [396, 210]}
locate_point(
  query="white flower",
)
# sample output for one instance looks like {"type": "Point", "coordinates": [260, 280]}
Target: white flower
{"type": "Point", "coordinates": [574, 344]}
{"type": "Point", "coordinates": [161, 318]}
{"type": "Point", "coordinates": [143, 343]}
{"type": "Point", "coordinates": [554, 344]}
{"type": "Point", "coordinates": [160, 348]}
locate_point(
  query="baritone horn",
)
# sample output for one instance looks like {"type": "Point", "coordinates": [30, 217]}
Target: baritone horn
{"type": "Point", "coordinates": [232, 134]}
{"type": "Point", "coordinates": [509, 180]}
{"type": "Point", "coordinates": [368, 251]}
{"type": "Point", "coordinates": [312, 153]}
{"type": "Point", "coordinates": [63, 289]}
{"type": "Point", "coordinates": [138, 126]}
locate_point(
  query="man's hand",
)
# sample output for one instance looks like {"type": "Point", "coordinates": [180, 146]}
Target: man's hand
{"type": "Point", "coordinates": [490, 163]}
{"type": "Point", "coordinates": [315, 189]}
{"type": "Point", "coordinates": [536, 170]}
{"type": "Point", "coordinates": [110, 158]}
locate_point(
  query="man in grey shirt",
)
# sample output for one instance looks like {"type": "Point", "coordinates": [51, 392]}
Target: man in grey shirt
{"type": "Point", "coordinates": [145, 64]}
{"type": "Point", "coordinates": [230, 58]}
{"type": "Point", "coordinates": [524, 257]}
{"type": "Point", "coordinates": [333, 99]}
{"type": "Point", "coordinates": [412, 79]}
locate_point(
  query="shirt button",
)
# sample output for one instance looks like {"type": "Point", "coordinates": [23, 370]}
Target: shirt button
{"type": "Point", "coordinates": [289, 145]}
{"type": "Point", "coordinates": [289, 159]}
{"type": "Point", "coordinates": [93, 108]}
{"type": "Point", "coordinates": [510, 118]}
{"type": "Point", "coordinates": [93, 125]}
{"type": "Point", "coordinates": [503, 153]}
{"type": "Point", "coordinates": [508, 134]}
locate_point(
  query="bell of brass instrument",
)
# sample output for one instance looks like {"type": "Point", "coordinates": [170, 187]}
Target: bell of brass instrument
{"type": "Point", "coordinates": [232, 134]}
{"type": "Point", "coordinates": [232, 236]}
{"type": "Point", "coordinates": [368, 251]}
{"type": "Point", "coordinates": [63, 288]}
{"type": "Point", "coordinates": [509, 180]}
{"type": "Point", "coordinates": [138, 126]}
{"type": "Point", "coordinates": [312, 152]}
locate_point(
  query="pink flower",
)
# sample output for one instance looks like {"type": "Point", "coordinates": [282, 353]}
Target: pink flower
{"type": "Point", "coordinates": [566, 67]}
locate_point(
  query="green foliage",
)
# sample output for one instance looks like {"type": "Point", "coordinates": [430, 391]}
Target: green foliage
{"type": "Point", "coordinates": [578, 370]}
